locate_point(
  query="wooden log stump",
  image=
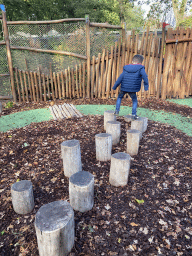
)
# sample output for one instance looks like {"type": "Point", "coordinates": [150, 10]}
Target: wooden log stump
{"type": "Point", "coordinates": [119, 170]}
{"type": "Point", "coordinates": [81, 191]}
{"type": "Point", "coordinates": [22, 197]}
{"type": "Point", "coordinates": [138, 124]}
{"type": "Point", "coordinates": [108, 116]}
{"type": "Point", "coordinates": [71, 154]}
{"type": "Point", "coordinates": [103, 143]}
{"type": "Point", "coordinates": [145, 123]}
{"type": "Point", "coordinates": [133, 139]}
{"type": "Point", "coordinates": [54, 225]}
{"type": "Point", "coordinates": [114, 128]}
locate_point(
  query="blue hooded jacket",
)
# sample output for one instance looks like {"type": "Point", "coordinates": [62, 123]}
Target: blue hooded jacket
{"type": "Point", "coordinates": [131, 78]}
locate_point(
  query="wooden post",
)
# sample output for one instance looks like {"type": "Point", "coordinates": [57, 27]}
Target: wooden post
{"type": "Point", "coordinates": [9, 58]}
{"type": "Point", "coordinates": [88, 53]}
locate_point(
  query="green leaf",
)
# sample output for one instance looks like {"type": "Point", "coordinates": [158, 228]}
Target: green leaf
{"type": "Point", "coordinates": [139, 201]}
{"type": "Point", "coordinates": [17, 180]}
{"type": "Point", "coordinates": [10, 136]}
{"type": "Point", "coordinates": [2, 232]}
{"type": "Point", "coordinates": [90, 228]}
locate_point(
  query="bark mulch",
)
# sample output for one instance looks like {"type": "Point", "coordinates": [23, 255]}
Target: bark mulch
{"type": "Point", "coordinates": [118, 224]}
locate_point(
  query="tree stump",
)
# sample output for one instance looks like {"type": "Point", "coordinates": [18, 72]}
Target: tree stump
{"type": "Point", "coordinates": [114, 128]}
{"type": "Point", "coordinates": [103, 143]}
{"type": "Point", "coordinates": [71, 154]}
{"type": "Point", "coordinates": [22, 196]}
{"type": "Point", "coordinates": [133, 139]}
{"type": "Point", "coordinates": [119, 170]}
{"type": "Point", "coordinates": [108, 116]}
{"type": "Point", "coordinates": [138, 124]}
{"type": "Point", "coordinates": [54, 225]}
{"type": "Point", "coordinates": [145, 123]}
{"type": "Point", "coordinates": [81, 191]}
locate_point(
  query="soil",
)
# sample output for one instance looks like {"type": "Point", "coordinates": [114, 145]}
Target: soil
{"type": "Point", "coordinates": [118, 224]}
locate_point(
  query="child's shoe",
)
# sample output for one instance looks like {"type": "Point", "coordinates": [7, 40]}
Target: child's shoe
{"type": "Point", "coordinates": [116, 113]}
{"type": "Point", "coordinates": [135, 117]}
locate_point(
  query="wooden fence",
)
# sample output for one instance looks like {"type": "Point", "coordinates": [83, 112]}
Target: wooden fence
{"type": "Point", "coordinates": [177, 75]}
{"type": "Point", "coordinates": [104, 70]}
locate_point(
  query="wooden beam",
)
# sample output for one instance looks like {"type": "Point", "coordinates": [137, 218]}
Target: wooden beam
{"type": "Point", "coordinates": [104, 25]}
{"type": "Point", "coordinates": [2, 43]}
{"type": "Point", "coordinates": [6, 97]}
{"type": "Point", "coordinates": [9, 58]}
{"type": "Point", "coordinates": [44, 21]}
{"type": "Point", "coordinates": [171, 41]}
{"type": "Point", "coordinates": [1, 75]}
{"type": "Point", "coordinates": [49, 51]}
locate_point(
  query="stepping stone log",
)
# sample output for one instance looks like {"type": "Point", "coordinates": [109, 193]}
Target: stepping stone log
{"type": "Point", "coordinates": [54, 225]}
{"type": "Point", "coordinates": [22, 197]}
{"type": "Point", "coordinates": [128, 118]}
{"type": "Point", "coordinates": [81, 191]}
{"type": "Point", "coordinates": [71, 154]}
{"type": "Point", "coordinates": [119, 170]}
{"type": "Point", "coordinates": [114, 128]}
{"type": "Point", "coordinates": [133, 139]}
{"type": "Point", "coordinates": [140, 124]}
{"type": "Point", "coordinates": [108, 116]}
{"type": "Point", "coordinates": [103, 143]}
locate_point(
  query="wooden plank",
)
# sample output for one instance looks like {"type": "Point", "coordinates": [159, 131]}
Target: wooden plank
{"type": "Point", "coordinates": [188, 70]}
{"type": "Point", "coordinates": [44, 88]}
{"type": "Point", "coordinates": [36, 85]}
{"type": "Point", "coordinates": [73, 82]}
{"type": "Point", "coordinates": [25, 84]}
{"type": "Point", "coordinates": [66, 83]}
{"type": "Point", "coordinates": [17, 82]}
{"type": "Point", "coordinates": [33, 87]}
{"type": "Point", "coordinates": [160, 64]}
{"type": "Point", "coordinates": [48, 88]}
{"type": "Point", "coordinates": [76, 78]}
{"type": "Point", "coordinates": [97, 74]}
{"type": "Point", "coordinates": [128, 45]}
{"type": "Point", "coordinates": [83, 83]}
{"type": "Point", "coordinates": [136, 44]}
{"type": "Point", "coordinates": [63, 84]}
{"type": "Point", "coordinates": [155, 65]}
{"type": "Point", "coordinates": [22, 88]}
{"type": "Point", "coordinates": [132, 45]}
{"type": "Point", "coordinates": [104, 25]}
{"type": "Point", "coordinates": [142, 44]}
{"type": "Point", "coordinates": [105, 75]}
{"type": "Point", "coordinates": [118, 66]}
{"type": "Point", "coordinates": [59, 85]}
{"type": "Point", "coordinates": [93, 77]}
{"type": "Point", "coordinates": [102, 74]}
{"type": "Point", "coordinates": [88, 53]}
{"type": "Point", "coordinates": [114, 69]}
{"type": "Point", "coordinates": [69, 76]}
{"type": "Point", "coordinates": [109, 74]}
{"type": "Point", "coordinates": [149, 45]}
{"type": "Point", "coordinates": [51, 77]}
{"type": "Point", "coordinates": [29, 83]}
{"type": "Point", "coordinates": [55, 85]}
{"type": "Point", "coordinates": [80, 81]}
{"type": "Point", "coordinates": [40, 86]}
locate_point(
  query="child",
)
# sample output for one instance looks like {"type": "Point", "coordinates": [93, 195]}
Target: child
{"type": "Point", "coordinates": [130, 81]}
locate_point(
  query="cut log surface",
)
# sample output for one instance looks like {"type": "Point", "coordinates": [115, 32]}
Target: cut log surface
{"type": "Point", "coordinates": [108, 116]}
{"type": "Point", "coordinates": [114, 128]}
{"type": "Point", "coordinates": [54, 224]}
{"type": "Point", "coordinates": [81, 191]}
{"type": "Point", "coordinates": [71, 154]}
{"type": "Point", "coordinates": [103, 143]}
{"type": "Point", "coordinates": [119, 170]}
{"type": "Point", "coordinates": [138, 124]}
{"type": "Point", "coordinates": [22, 197]}
{"type": "Point", "coordinates": [133, 139]}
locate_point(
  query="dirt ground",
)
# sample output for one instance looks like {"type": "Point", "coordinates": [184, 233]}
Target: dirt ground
{"type": "Point", "coordinates": [160, 175]}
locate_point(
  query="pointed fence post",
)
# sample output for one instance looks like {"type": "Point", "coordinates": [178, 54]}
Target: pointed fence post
{"type": "Point", "coordinates": [88, 53]}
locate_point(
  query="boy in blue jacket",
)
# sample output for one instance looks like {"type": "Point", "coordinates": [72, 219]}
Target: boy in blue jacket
{"type": "Point", "coordinates": [130, 81]}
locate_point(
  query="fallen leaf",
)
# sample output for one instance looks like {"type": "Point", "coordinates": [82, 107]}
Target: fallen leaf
{"type": "Point", "coordinates": [139, 201]}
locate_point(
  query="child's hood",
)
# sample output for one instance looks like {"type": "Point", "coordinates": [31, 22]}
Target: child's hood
{"type": "Point", "coordinates": [132, 68]}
